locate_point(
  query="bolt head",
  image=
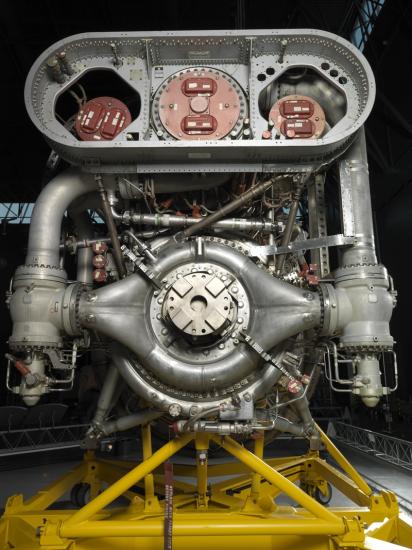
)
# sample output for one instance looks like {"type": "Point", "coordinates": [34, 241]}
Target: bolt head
{"type": "Point", "coordinates": [175, 409]}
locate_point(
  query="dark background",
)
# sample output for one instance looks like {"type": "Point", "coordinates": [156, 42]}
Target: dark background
{"type": "Point", "coordinates": [29, 27]}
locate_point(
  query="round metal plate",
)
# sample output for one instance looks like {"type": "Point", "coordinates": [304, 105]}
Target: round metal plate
{"type": "Point", "coordinates": [199, 104]}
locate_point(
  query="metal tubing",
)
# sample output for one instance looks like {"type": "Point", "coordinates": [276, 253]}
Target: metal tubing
{"type": "Point", "coordinates": [84, 231]}
{"type": "Point", "coordinates": [172, 220]}
{"type": "Point", "coordinates": [47, 217]}
{"type": "Point", "coordinates": [278, 480]}
{"type": "Point", "coordinates": [111, 228]}
{"type": "Point", "coordinates": [130, 421]}
{"type": "Point", "coordinates": [127, 481]}
{"type": "Point", "coordinates": [143, 248]}
{"type": "Point", "coordinates": [105, 400]}
{"type": "Point", "coordinates": [354, 180]}
{"type": "Point", "coordinates": [287, 234]}
{"type": "Point", "coordinates": [242, 199]}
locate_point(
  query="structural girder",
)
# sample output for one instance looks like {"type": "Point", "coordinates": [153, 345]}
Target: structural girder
{"type": "Point", "coordinates": [209, 512]}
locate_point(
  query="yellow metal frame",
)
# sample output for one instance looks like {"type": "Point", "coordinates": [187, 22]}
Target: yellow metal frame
{"type": "Point", "coordinates": [215, 506]}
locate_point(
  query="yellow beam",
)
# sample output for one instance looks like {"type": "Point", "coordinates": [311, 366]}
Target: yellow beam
{"type": "Point", "coordinates": [344, 463]}
{"type": "Point", "coordinates": [257, 478]}
{"type": "Point", "coordinates": [288, 469]}
{"type": "Point", "coordinates": [44, 498]}
{"type": "Point", "coordinates": [343, 483]}
{"type": "Point", "coordinates": [147, 453]}
{"type": "Point", "coordinates": [127, 481]}
{"type": "Point", "coordinates": [223, 524]}
{"type": "Point", "coordinates": [257, 465]}
{"type": "Point", "coordinates": [231, 468]}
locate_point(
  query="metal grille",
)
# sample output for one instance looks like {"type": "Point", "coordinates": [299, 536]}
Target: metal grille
{"type": "Point", "coordinates": [29, 440]}
{"type": "Point", "coordinates": [390, 449]}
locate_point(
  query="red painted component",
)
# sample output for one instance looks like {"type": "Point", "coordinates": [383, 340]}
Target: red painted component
{"type": "Point", "coordinates": [99, 275]}
{"type": "Point", "coordinates": [196, 211]}
{"type": "Point", "coordinates": [102, 119]}
{"type": "Point", "coordinates": [298, 117]}
{"type": "Point", "coordinates": [309, 273]}
{"type": "Point", "coordinates": [100, 247]}
{"type": "Point", "coordinates": [22, 368]}
{"type": "Point", "coordinates": [199, 85]}
{"type": "Point", "coordinates": [166, 204]}
{"type": "Point", "coordinates": [297, 128]}
{"type": "Point", "coordinates": [99, 261]}
{"type": "Point", "coordinates": [294, 386]}
{"type": "Point", "coordinates": [199, 124]}
{"type": "Point", "coordinates": [199, 104]}
{"type": "Point", "coordinates": [296, 108]}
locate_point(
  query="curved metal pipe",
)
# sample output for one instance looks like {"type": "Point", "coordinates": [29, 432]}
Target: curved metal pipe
{"type": "Point", "coordinates": [280, 310]}
{"type": "Point", "coordinates": [354, 176]}
{"type": "Point", "coordinates": [47, 217]}
{"type": "Point", "coordinates": [107, 392]}
{"type": "Point", "coordinates": [130, 421]}
{"type": "Point", "coordinates": [129, 370]}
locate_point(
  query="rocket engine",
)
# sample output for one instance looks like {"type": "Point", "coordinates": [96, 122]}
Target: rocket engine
{"type": "Point", "coordinates": [204, 288]}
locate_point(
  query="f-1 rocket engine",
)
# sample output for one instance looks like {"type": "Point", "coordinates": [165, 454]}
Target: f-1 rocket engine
{"type": "Point", "coordinates": [203, 284]}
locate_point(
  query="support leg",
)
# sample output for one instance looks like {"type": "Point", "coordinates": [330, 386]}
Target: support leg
{"type": "Point", "coordinates": [286, 486]}
{"type": "Point", "coordinates": [151, 500]}
{"type": "Point", "coordinates": [202, 447]}
{"type": "Point", "coordinates": [127, 481]}
{"type": "Point", "coordinates": [257, 478]}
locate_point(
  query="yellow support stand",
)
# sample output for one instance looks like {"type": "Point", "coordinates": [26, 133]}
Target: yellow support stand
{"type": "Point", "coordinates": [221, 506]}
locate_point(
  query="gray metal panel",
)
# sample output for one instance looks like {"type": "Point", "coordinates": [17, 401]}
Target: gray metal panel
{"type": "Point", "coordinates": [243, 54]}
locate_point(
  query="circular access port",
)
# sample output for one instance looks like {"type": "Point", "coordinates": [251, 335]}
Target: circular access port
{"type": "Point", "coordinates": [261, 77]}
{"type": "Point", "coordinates": [98, 106]}
{"type": "Point", "coordinates": [325, 66]}
{"type": "Point", "coordinates": [198, 303]}
{"type": "Point", "coordinates": [198, 104]}
{"type": "Point", "coordinates": [298, 117]}
{"type": "Point", "coordinates": [202, 306]}
{"type": "Point", "coordinates": [333, 73]}
{"type": "Point", "coordinates": [270, 71]}
{"type": "Point", "coordinates": [343, 80]}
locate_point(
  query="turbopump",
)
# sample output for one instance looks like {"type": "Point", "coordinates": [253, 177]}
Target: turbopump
{"type": "Point", "coordinates": [203, 285]}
